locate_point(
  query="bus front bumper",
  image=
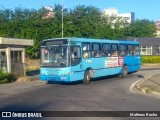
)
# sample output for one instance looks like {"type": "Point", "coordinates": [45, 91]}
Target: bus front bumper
{"type": "Point", "coordinates": [64, 78]}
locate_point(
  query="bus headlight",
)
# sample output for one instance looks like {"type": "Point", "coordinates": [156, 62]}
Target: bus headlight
{"type": "Point", "coordinates": [63, 77]}
{"type": "Point", "coordinates": [66, 73]}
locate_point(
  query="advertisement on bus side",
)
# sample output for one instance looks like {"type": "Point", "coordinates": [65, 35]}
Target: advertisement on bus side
{"type": "Point", "coordinates": [114, 62]}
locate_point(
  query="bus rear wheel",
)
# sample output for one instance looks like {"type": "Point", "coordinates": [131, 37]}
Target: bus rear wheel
{"type": "Point", "coordinates": [124, 72]}
{"type": "Point", "coordinates": [87, 78]}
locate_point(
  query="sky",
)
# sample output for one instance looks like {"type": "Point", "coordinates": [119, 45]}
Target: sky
{"type": "Point", "coordinates": [144, 9]}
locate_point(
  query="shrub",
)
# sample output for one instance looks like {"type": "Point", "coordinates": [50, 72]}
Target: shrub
{"type": "Point", "coordinates": [6, 77]}
{"type": "Point", "coordinates": [150, 59]}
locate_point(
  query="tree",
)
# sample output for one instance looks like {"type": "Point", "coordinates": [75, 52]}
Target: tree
{"type": "Point", "coordinates": [85, 21]}
{"type": "Point", "coordinates": [82, 21]}
{"type": "Point", "coordinates": [141, 28]}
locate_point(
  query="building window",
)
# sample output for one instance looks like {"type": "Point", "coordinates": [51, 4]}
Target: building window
{"type": "Point", "coordinates": [3, 61]}
{"type": "Point", "coordinates": [146, 50]}
{"type": "Point", "coordinates": [127, 18]}
{"type": "Point", "coordinates": [157, 50]}
{"type": "Point", "coordinates": [16, 56]}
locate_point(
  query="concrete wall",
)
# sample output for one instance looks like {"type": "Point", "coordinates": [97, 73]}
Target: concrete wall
{"type": "Point", "coordinates": [32, 64]}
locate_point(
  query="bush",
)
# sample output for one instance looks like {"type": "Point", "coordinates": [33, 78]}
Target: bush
{"type": "Point", "coordinates": [150, 59]}
{"type": "Point", "coordinates": [6, 77]}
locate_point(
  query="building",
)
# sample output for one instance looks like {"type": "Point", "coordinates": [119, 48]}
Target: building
{"type": "Point", "coordinates": [48, 12]}
{"type": "Point", "coordinates": [157, 24]}
{"type": "Point", "coordinates": [149, 45]}
{"type": "Point", "coordinates": [129, 17]}
{"type": "Point", "coordinates": [12, 54]}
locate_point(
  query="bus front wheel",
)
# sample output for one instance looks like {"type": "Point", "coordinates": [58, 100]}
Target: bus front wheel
{"type": "Point", "coordinates": [124, 72]}
{"type": "Point", "coordinates": [87, 78]}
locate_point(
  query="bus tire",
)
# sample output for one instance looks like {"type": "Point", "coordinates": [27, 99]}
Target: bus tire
{"type": "Point", "coordinates": [124, 72]}
{"type": "Point", "coordinates": [87, 78]}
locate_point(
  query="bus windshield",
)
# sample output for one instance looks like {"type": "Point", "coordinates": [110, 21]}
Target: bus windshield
{"type": "Point", "coordinates": [55, 56]}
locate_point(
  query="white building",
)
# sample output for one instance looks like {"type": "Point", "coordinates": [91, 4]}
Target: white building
{"type": "Point", "coordinates": [110, 11]}
{"type": "Point", "coordinates": [48, 12]}
{"type": "Point", "coordinates": [129, 17]}
{"type": "Point", "coordinates": [157, 24]}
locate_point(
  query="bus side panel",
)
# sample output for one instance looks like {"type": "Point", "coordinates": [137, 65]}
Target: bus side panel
{"type": "Point", "coordinates": [107, 71]}
{"type": "Point", "coordinates": [77, 73]}
{"type": "Point", "coordinates": [133, 63]}
{"type": "Point", "coordinates": [99, 68]}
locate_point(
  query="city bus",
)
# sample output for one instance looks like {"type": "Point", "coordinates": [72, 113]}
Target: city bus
{"type": "Point", "coordinates": [75, 59]}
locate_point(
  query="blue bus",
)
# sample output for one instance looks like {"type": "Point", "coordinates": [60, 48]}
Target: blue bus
{"type": "Point", "coordinates": [74, 59]}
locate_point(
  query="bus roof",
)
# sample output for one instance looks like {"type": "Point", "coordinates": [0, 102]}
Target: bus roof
{"type": "Point", "coordinates": [74, 39]}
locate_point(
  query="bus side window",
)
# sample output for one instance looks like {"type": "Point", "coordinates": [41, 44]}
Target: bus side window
{"type": "Point", "coordinates": [130, 50]}
{"type": "Point", "coordinates": [106, 47]}
{"type": "Point", "coordinates": [96, 54]}
{"type": "Point", "coordinates": [75, 55]}
{"type": "Point", "coordinates": [85, 55]}
{"type": "Point", "coordinates": [114, 49]}
{"type": "Point", "coordinates": [122, 50]}
{"type": "Point", "coordinates": [136, 49]}
{"type": "Point", "coordinates": [86, 50]}
{"type": "Point", "coordinates": [115, 53]}
{"type": "Point", "coordinates": [96, 50]}
{"type": "Point", "coordinates": [75, 52]}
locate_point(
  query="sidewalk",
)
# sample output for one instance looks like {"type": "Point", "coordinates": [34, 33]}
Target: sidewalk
{"type": "Point", "coordinates": [150, 85]}
{"type": "Point", "coordinates": [19, 86]}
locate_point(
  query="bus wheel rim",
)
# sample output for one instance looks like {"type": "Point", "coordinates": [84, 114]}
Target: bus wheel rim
{"type": "Point", "coordinates": [88, 77]}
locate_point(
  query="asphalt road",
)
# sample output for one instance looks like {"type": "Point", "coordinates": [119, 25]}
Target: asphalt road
{"type": "Point", "coordinates": [106, 94]}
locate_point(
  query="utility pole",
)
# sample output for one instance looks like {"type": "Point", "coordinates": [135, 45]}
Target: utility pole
{"type": "Point", "coordinates": [62, 18]}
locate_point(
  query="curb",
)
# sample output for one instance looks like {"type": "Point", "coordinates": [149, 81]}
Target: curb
{"type": "Point", "coordinates": [155, 93]}
{"type": "Point", "coordinates": [145, 89]}
{"type": "Point", "coordinates": [27, 78]}
{"type": "Point", "coordinates": [151, 65]}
